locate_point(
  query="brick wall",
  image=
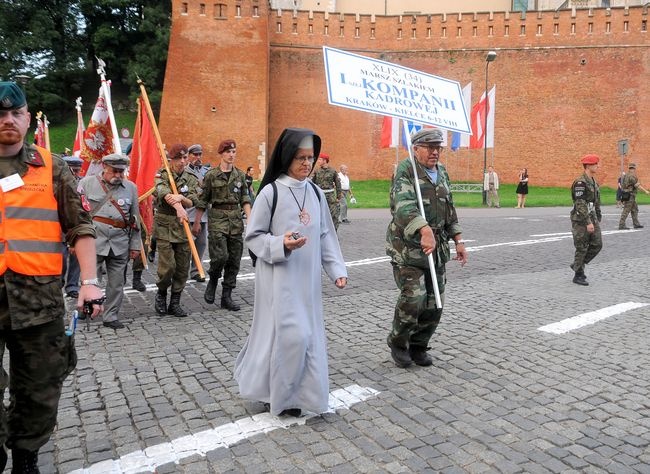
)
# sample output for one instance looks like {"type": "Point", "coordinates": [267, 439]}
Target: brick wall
{"type": "Point", "coordinates": [568, 83]}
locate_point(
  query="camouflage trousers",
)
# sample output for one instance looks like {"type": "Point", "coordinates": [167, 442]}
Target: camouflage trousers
{"type": "Point", "coordinates": [335, 208]}
{"type": "Point", "coordinates": [416, 316]}
{"type": "Point", "coordinates": [630, 207]}
{"type": "Point", "coordinates": [138, 264]}
{"type": "Point", "coordinates": [40, 358]}
{"type": "Point", "coordinates": [225, 256]}
{"type": "Point", "coordinates": [173, 265]}
{"type": "Point", "coordinates": [587, 245]}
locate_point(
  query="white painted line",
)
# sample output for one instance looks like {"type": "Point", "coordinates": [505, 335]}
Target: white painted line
{"type": "Point", "coordinates": [592, 317]}
{"type": "Point", "coordinates": [220, 437]}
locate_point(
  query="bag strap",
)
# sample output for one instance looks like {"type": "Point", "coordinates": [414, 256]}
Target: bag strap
{"type": "Point", "coordinates": [109, 196]}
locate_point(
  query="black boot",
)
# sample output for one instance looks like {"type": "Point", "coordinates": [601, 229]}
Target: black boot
{"type": "Point", "coordinates": [3, 458]}
{"type": "Point", "coordinates": [137, 281]}
{"type": "Point", "coordinates": [210, 289]}
{"type": "Point", "coordinates": [175, 308]}
{"type": "Point", "coordinates": [226, 300]}
{"type": "Point", "coordinates": [580, 279]}
{"type": "Point", "coordinates": [161, 302]}
{"type": "Point", "coordinates": [24, 462]}
{"type": "Point", "coordinates": [419, 356]}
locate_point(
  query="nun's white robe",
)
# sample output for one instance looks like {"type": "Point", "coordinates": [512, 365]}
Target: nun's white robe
{"type": "Point", "coordinates": [284, 359]}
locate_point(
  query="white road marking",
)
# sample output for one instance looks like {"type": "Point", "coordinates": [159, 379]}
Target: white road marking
{"type": "Point", "coordinates": [592, 317]}
{"type": "Point", "coordinates": [221, 437]}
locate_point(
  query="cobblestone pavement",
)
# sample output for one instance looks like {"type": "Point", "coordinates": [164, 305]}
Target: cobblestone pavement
{"type": "Point", "coordinates": [502, 396]}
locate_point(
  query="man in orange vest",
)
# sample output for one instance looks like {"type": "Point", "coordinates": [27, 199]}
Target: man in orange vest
{"type": "Point", "coordinates": [39, 202]}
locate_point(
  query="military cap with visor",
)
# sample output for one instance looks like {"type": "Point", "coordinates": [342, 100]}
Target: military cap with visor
{"type": "Point", "coordinates": [11, 96]}
{"type": "Point", "coordinates": [426, 136]}
{"type": "Point", "coordinates": [117, 161]}
{"type": "Point", "coordinates": [590, 159]}
{"type": "Point", "coordinates": [196, 148]}
{"type": "Point", "coordinates": [73, 161]}
{"type": "Point", "coordinates": [631, 166]}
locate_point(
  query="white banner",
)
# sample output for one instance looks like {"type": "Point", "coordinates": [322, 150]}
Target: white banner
{"type": "Point", "coordinates": [362, 83]}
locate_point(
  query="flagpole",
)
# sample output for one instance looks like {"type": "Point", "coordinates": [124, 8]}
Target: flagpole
{"type": "Point", "coordinates": [46, 132]}
{"type": "Point", "coordinates": [186, 226]}
{"type": "Point", "coordinates": [80, 125]}
{"type": "Point", "coordinates": [418, 193]}
{"type": "Point", "coordinates": [117, 147]}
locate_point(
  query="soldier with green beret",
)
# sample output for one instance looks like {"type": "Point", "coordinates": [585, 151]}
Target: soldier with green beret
{"type": "Point", "coordinates": [44, 201]}
{"type": "Point", "coordinates": [173, 247]}
{"type": "Point", "coordinates": [411, 238]}
{"type": "Point", "coordinates": [226, 195]}
{"type": "Point", "coordinates": [585, 218]}
{"type": "Point", "coordinates": [328, 180]}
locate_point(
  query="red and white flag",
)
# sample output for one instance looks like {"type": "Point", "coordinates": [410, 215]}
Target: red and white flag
{"type": "Point", "coordinates": [483, 109]}
{"type": "Point", "coordinates": [390, 133]}
{"type": "Point", "coordinates": [39, 134]}
{"type": "Point", "coordinates": [98, 137]}
{"type": "Point", "coordinates": [145, 162]}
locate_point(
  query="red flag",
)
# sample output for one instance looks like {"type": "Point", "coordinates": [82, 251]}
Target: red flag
{"type": "Point", "coordinates": [479, 113]}
{"type": "Point", "coordinates": [98, 137]}
{"type": "Point", "coordinates": [79, 136]}
{"type": "Point", "coordinates": [145, 162]}
{"type": "Point", "coordinates": [39, 134]}
{"type": "Point", "coordinates": [390, 132]}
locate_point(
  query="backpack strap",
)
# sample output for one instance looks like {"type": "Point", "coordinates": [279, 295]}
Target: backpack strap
{"type": "Point", "coordinates": [274, 203]}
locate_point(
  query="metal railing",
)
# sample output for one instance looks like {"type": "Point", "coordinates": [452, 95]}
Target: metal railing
{"type": "Point", "coordinates": [467, 188]}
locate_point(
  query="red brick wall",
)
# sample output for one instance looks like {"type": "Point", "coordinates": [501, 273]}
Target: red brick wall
{"type": "Point", "coordinates": [562, 91]}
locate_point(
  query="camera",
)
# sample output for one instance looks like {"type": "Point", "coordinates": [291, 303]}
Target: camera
{"type": "Point", "coordinates": [295, 235]}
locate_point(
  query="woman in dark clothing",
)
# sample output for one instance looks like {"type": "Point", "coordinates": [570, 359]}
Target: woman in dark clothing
{"type": "Point", "coordinates": [522, 189]}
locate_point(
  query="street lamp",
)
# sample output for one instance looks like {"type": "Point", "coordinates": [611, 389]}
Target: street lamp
{"type": "Point", "coordinates": [491, 56]}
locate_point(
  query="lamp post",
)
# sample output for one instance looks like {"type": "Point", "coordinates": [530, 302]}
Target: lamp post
{"type": "Point", "coordinates": [491, 56]}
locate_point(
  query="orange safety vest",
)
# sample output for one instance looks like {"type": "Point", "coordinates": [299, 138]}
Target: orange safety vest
{"type": "Point", "coordinates": [30, 233]}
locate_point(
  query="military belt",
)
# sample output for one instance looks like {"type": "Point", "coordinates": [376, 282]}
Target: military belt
{"type": "Point", "coordinates": [113, 222]}
{"type": "Point", "coordinates": [225, 207]}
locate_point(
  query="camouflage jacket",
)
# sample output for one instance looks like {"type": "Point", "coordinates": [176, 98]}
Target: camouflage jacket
{"type": "Point", "coordinates": [166, 225]}
{"type": "Point", "coordinates": [630, 184]}
{"type": "Point", "coordinates": [27, 300]}
{"type": "Point", "coordinates": [225, 195]}
{"type": "Point", "coordinates": [328, 178]}
{"type": "Point", "coordinates": [586, 200]}
{"type": "Point", "coordinates": [403, 236]}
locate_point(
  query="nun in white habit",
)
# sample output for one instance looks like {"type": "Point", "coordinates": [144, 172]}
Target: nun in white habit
{"type": "Point", "coordinates": [284, 360]}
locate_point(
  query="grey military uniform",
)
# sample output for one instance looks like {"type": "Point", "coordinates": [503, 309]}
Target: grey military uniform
{"type": "Point", "coordinates": [416, 316]}
{"type": "Point", "coordinates": [116, 222]}
{"type": "Point", "coordinates": [201, 240]}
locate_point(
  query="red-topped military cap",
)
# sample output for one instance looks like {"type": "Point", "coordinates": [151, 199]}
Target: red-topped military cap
{"type": "Point", "coordinates": [590, 160]}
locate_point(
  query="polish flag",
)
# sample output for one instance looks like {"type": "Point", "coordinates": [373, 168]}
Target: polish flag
{"type": "Point", "coordinates": [482, 108]}
{"type": "Point", "coordinates": [461, 140]}
{"type": "Point", "coordinates": [98, 137]}
{"type": "Point", "coordinates": [390, 133]}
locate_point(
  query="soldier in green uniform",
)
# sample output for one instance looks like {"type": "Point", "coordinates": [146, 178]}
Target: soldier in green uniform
{"type": "Point", "coordinates": [40, 203]}
{"type": "Point", "coordinates": [328, 180]}
{"type": "Point", "coordinates": [411, 238]}
{"type": "Point", "coordinates": [226, 193]}
{"type": "Point", "coordinates": [173, 248]}
{"type": "Point", "coordinates": [585, 218]}
{"type": "Point", "coordinates": [629, 188]}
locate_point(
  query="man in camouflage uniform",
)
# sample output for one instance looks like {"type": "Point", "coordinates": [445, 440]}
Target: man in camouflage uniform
{"type": "Point", "coordinates": [173, 248]}
{"type": "Point", "coordinates": [114, 208]}
{"type": "Point", "coordinates": [411, 238]}
{"type": "Point", "coordinates": [585, 218]}
{"type": "Point", "coordinates": [631, 185]}
{"type": "Point", "coordinates": [328, 180]}
{"type": "Point", "coordinates": [225, 191]}
{"type": "Point", "coordinates": [32, 311]}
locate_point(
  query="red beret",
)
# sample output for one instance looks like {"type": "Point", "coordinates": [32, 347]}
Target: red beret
{"type": "Point", "coordinates": [226, 145]}
{"type": "Point", "coordinates": [325, 157]}
{"type": "Point", "coordinates": [177, 151]}
{"type": "Point", "coordinates": [590, 160]}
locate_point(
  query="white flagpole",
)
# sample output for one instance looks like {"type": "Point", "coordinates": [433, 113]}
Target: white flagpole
{"type": "Point", "coordinates": [418, 193]}
{"type": "Point", "coordinates": [107, 95]}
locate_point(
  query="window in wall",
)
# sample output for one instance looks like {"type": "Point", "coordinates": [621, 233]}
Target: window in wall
{"type": "Point", "coordinates": [573, 28]}
{"type": "Point", "coordinates": [522, 30]}
{"type": "Point", "coordinates": [184, 8]}
{"type": "Point", "coordinates": [294, 28]}
{"type": "Point", "coordinates": [644, 25]}
{"type": "Point", "coordinates": [459, 31]}
{"type": "Point", "coordinates": [399, 33]}
{"type": "Point", "coordinates": [372, 33]}
{"type": "Point", "coordinates": [238, 11]}
{"type": "Point", "coordinates": [326, 30]}
{"type": "Point", "coordinates": [256, 11]}
{"type": "Point", "coordinates": [539, 30]}
{"type": "Point", "coordinates": [506, 30]}
{"type": "Point", "coordinates": [590, 27]}
{"type": "Point", "coordinates": [278, 27]}
{"type": "Point", "coordinates": [475, 31]}
{"type": "Point", "coordinates": [444, 31]}
{"type": "Point", "coordinates": [220, 10]}
{"type": "Point", "coordinates": [626, 26]}
{"type": "Point", "coordinates": [341, 31]}
{"type": "Point", "coordinates": [413, 33]}
{"type": "Point", "coordinates": [311, 29]}
{"type": "Point", "coordinates": [202, 9]}
{"type": "Point", "coordinates": [429, 32]}
{"type": "Point", "coordinates": [491, 30]}
{"type": "Point", "coordinates": [608, 27]}
{"type": "Point", "coordinates": [357, 31]}
{"type": "Point", "coordinates": [556, 28]}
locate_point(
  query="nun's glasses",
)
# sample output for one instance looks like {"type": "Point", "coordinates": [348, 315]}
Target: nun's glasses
{"type": "Point", "coordinates": [304, 159]}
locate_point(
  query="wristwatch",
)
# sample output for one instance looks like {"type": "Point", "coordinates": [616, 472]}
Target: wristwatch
{"type": "Point", "coordinates": [92, 281]}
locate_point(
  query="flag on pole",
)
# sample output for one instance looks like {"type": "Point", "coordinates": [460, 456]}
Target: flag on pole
{"type": "Point", "coordinates": [484, 107]}
{"type": "Point", "coordinates": [39, 134]}
{"type": "Point", "coordinates": [461, 140]}
{"type": "Point", "coordinates": [392, 135]}
{"type": "Point", "coordinates": [98, 137]}
{"type": "Point", "coordinates": [79, 136]}
{"type": "Point", "coordinates": [145, 162]}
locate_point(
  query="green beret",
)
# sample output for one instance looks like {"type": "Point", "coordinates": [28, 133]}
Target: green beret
{"type": "Point", "coordinates": [427, 135]}
{"type": "Point", "coordinates": [117, 161]}
{"type": "Point", "coordinates": [11, 96]}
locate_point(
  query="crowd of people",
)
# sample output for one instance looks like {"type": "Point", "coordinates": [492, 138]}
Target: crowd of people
{"type": "Point", "coordinates": [290, 231]}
